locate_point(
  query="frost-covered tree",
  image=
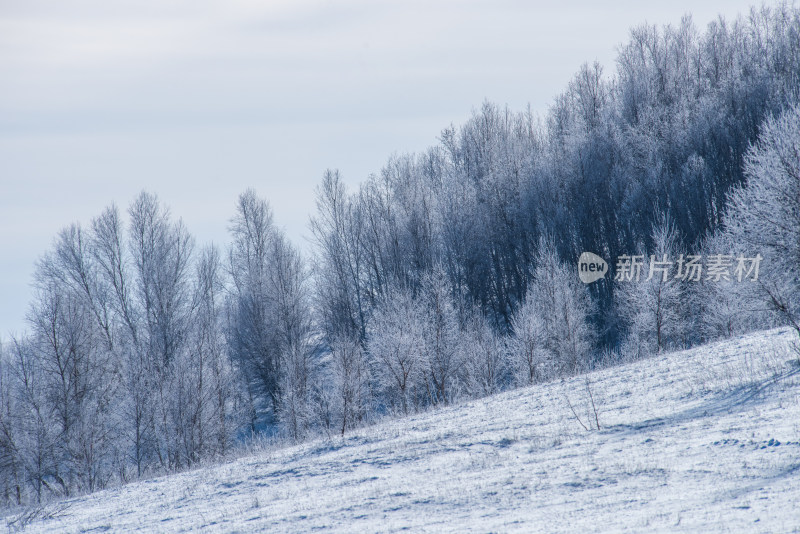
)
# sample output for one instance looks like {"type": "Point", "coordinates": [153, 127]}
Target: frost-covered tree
{"type": "Point", "coordinates": [340, 264]}
{"type": "Point", "coordinates": [162, 253]}
{"type": "Point", "coordinates": [441, 337]}
{"type": "Point", "coordinates": [207, 406]}
{"type": "Point", "coordinates": [161, 250]}
{"type": "Point", "coordinates": [396, 344]}
{"type": "Point", "coordinates": [728, 307]}
{"type": "Point", "coordinates": [270, 333]}
{"type": "Point", "coordinates": [345, 396]}
{"type": "Point", "coordinates": [224, 385]}
{"type": "Point", "coordinates": [485, 358]}
{"type": "Point", "coordinates": [763, 217]}
{"type": "Point", "coordinates": [253, 343]}
{"type": "Point", "coordinates": [652, 301]}
{"type": "Point", "coordinates": [36, 432]}
{"type": "Point", "coordinates": [73, 341]}
{"type": "Point", "coordinates": [292, 322]}
{"type": "Point", "coordinates": [12, 481]}
{"type": "Point", "coordinates": [527, 344]}
{"type": "Point", "coordinates": [110, 253]}
{"type": "Point", "coordinates": [564, 307]}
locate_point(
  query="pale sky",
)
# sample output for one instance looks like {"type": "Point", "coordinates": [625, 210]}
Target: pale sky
{"type": "Point", "coordinates": [197, 100]}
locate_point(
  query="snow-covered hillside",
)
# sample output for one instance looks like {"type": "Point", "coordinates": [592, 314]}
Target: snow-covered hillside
{"type": "Point", "coordinates": [701, 440]}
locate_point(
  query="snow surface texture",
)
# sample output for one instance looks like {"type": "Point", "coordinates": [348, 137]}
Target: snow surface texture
{"type": "Point", "coordinates": [706, 439]}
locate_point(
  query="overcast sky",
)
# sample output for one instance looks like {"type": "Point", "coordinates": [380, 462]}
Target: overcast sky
{"type": "Point", "coordinates": [198, 100]}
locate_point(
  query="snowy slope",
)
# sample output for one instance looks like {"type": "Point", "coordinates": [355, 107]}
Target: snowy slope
{"type": "Point", "coordinates": [701, 440]}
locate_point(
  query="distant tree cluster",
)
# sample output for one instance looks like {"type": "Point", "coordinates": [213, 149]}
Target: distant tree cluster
{"type": "Point", "coordinates": [664, 141]}
{"type": "Point", "coordinates": [126, 367]}
{"type": "Point", "coordinates": [449, 275]}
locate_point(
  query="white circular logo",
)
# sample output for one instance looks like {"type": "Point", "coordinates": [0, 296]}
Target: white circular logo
{"type": "Point", "coordinates": [591, 267]}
